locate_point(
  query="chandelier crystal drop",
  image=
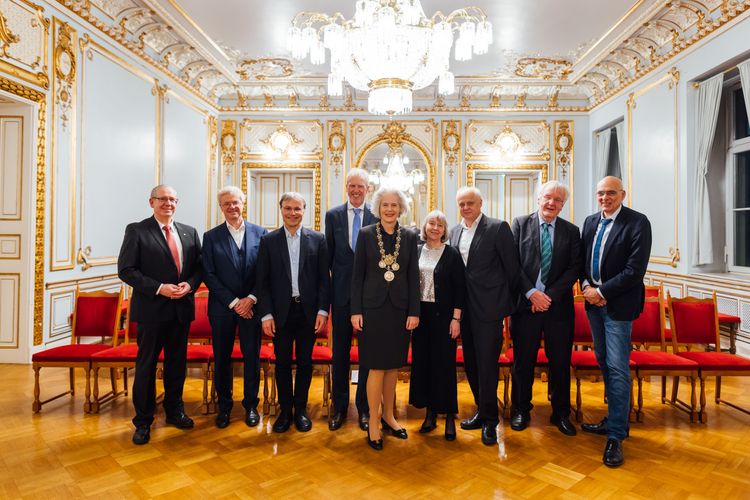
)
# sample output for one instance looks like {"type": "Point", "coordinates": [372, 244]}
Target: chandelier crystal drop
{"type": "Point", "coordinates": [395, 175]}
{"type": "Point", "coordinates": [389, 49]}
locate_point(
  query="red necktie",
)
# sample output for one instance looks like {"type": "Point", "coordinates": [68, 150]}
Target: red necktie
{"type": "Point", "coordinates": [173, 248]}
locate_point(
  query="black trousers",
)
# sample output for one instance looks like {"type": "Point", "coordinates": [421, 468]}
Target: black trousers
{"type": "Point", "coordinates": [433, 367]}
{"type": "Point", "coordinates": [152, 338]}
{"type": "Point", "coordinates": [526, 330]}
{"type": "Point", "coordinates": [223, 331]}
{"type": "Point", "coordinates": [297, 337]}
{"type": "Point", "coordinates": [342, 343]}
{"type": "Point", "coordinates": [482, 341]}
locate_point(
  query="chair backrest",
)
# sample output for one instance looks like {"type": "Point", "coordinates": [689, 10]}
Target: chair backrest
{"type": "Point", "coordinates": [582, 328]}
{"type": "Point", "coordinates": [96, 314]}
{"type": "Point", "coordinates": [648, 329]}
{"type": "Point", "coordinates": [694, 321]}
{"type": "Point", "coordinates": [654, 291]}
{"type": "Point", "coordinates": [200, 328]}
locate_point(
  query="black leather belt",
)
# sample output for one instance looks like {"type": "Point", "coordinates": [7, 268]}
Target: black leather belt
{"type": "Point", "coordinates": [297, 299]}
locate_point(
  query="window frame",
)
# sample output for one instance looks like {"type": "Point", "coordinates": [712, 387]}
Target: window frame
{"type": "Point", "coordinates": [734, 147]}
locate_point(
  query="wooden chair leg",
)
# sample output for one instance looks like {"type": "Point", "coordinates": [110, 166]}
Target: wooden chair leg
{"type": "Point", "coordinates": [95, 404]}
{"type": "Point", "coordinates": [87, 403]}
{"type": "Point", "coordinates": [639, 411]}
{"type": "Point", "coordinates": [72, 377]}
{"type": "Point", "coordinates": [579, 413]}
{"type": "Point", "coordinates": [125, 380]}
{"type": "Point", "coordinates": [36, 406]}
{"type": "Point", "coordinates": [273, 406]}
{"type": "Point", "coordinates": [692, 399]}
{"type": "Point", "coordinates": [702, 413]}
{"type": "Point", "coordinates": [675, 388]}
{"type": "Point", "coordinates": [113, 381]}
{"type": "Point", "coordinates": [663, 390]}
{"type": "Point", "coordinates": [266, 379]}
{"type": "Point", "coordinates": [206, 403]}
{"type": "Point", "coordinates": [506, 392]}
{"type": "Point", "coordinates": [717, 397]}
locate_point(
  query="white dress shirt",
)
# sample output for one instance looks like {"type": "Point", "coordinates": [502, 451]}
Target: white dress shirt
{"type": "Point", "coordinates": [467, 235]}
{"type": "Point", "coordinates": [238, 235]}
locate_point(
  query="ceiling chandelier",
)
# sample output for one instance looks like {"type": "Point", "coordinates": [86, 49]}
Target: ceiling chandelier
{"type": "Point", "coordinates": [390, 48]}
{"type": "Point", "coordinates": [396, 176]}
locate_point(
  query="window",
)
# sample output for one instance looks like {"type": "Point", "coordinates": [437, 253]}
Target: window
{"type": "Point", "coordinates": [738, 183]}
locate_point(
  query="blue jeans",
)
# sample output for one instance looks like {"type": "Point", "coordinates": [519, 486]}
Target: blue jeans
{"type": "Point", "coordinates": [612, 347]}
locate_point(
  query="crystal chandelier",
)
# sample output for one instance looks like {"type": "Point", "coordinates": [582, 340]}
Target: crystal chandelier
{"type": "Point", "coordinates": [396, 175]}
{"type": "Point", "coordinates": [389, 49]}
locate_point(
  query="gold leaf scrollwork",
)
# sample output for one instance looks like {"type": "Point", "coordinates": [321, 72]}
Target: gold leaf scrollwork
{"type": "Point", "coordinates": [228, 142]}
{"type": "Point", "coordinates": [64, 62]}
{"type": "Point", "coordinates": [563, 147]}
{"type": "Point", "coordinates": [7, 37]}
{"type": "Point", "coordinates": [451, 145]}
{"type": "Point", "coordinates": [83, 257]}
{"type": "Point", "coordinates": [336, 145]}
{"type": "Point", "coordinates": [394, 134]}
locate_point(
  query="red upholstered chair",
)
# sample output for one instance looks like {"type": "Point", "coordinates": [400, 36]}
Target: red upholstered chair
{"type": "Point", "coordinates": [695, 323]}
{"type": "Point", "coordinates": [648, 330]}
{"type": "Point", "coordinates": [96, 316]}
{"type": "Point", "coordinates": [583, 362]}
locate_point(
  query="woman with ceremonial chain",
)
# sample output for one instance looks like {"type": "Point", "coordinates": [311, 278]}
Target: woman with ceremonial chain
{"type": "Point", "coordinates": [385, 306]}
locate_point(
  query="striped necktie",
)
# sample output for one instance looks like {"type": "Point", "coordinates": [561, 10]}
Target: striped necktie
{"type": "Point", "coordinates": [546, 252]}
{"type": "Point", "coordinates": [597, 250]}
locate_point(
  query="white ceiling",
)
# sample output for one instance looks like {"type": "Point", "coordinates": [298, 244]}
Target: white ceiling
{"type": "Point", "coordinates": [549, 28]}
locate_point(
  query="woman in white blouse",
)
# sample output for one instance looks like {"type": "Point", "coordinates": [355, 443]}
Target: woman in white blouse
{"type": "Point", "coordinates": [442, 289]}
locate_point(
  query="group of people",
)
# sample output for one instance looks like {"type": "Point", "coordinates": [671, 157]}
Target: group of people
{"type": "Point", "coordinates": [394, 288]}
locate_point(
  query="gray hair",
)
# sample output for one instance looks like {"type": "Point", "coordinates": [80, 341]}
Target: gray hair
{"type": "Point", "coordinates": [469, 190]}
{"type": "Point", "coordinates": [440, 216]}
{"type": "Point", "coordinates": [403, 201]}
{"type": "Point", "coordinates": [359, 173]}
{"type": "Point", "coordinates": [161, 186]}
{"type": "Point", "coordinates": [292, 195]}
{"type": "Point", "coordinates": [233, 190]}
{"type": "Point", "coordinates": [554, 186]}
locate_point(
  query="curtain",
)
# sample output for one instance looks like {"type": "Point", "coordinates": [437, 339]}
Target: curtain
{"type": "Point", "coordinates": [601, 154]}
{"type": "Point", "coordinates": [621, 147]}
{"type": "Point", "coordinates": [745, 79]}
{"type": "Point", "coordinates": [707, 113]}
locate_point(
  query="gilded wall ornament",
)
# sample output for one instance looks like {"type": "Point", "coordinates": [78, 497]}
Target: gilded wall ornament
{"type": "Point", "coordinates": [452, 144]}
{"type": "Point", "coordinates": [394, 134]}
{"type": "Point", "coordinates": [563, 147]}
{"type": "Point", "coordinates": [336, 145]}
{"type": "Point", "coordinates": [64, 61]}
{"type": "Point", "coordinates": [507, 142]}
{"type": "Point", "coordinates": [281, 141]}
{"type": "Point", "coordinates": [544, 68]}
{"type": "Point", "coordinates": [265, 67]}
{"type": "Point", "coordinates": [7, 37]}
{"type": "Point", "coordinates": [228, 144]}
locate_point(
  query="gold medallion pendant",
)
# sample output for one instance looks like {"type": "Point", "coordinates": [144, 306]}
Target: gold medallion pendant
{"type": "Point", "coordinates": [388, 261]}
{"type": "Point", "coordinates": [395, 266]}
{"type": "Point", "coordinates": [388, 276]}
{"type": "Point", "coordinates": [381, 264]}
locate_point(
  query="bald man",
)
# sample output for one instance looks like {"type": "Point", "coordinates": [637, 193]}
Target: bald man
{"type": "Point", "coordinates": [617, 242]}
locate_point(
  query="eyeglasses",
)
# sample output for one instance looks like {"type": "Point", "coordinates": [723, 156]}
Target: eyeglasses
{"type": "Point", "coordinates": [610, 194]}
{"type": "Point", "coordinates": [166, 199]}
{"type": "Point", "coordinates": [228, 204]}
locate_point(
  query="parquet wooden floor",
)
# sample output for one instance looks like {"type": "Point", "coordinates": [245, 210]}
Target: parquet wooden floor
{"type": "Point", "coordinates": [62, 453]}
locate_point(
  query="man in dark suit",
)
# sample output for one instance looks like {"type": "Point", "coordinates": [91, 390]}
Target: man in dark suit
{"type": "Point", "coordinates": [551, 258]}
{"type": "Point", "coordinates": [230, 251]}
{"type": "Point", "coordinates": [161, 260]}
{"type": "Point", "coordinates": [293, 298]}
{"type": "Point", "coordinates": [492, 269]}
{"type": "Point", "coordinates": [618, 246]}
{"type": "Point", "coordinates": [342, 229]}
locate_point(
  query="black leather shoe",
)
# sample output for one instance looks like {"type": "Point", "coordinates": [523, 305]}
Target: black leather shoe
{"type": "Point", "coordinates": [222, 419]}
{"type": "Point", "coordinates": [600, 428]}
{"type": "Point", "coordinates": [472, 423]}
{"type": "Point", "coordinates": [564, 425]}
{"type": "Point", "coordinates": [489, 434]}
{"type": "Point", "coordinates": [301, 421]}
{"type": "Point", "coordinates": [142, 434]}
{"type": "Point", "coordinates": [399, 433]}
{"type": "Point", "coordinates": [283, 421]}
{"type": "Point", "coordinates": [252, 418]}
{"type": "Point", "coordinates": [429, 424]}
{"type": "Point", "coordinates": [450, 427]}
{"type": "Point", "coordinates": [180, 420]}
{"type": "Point", "coordinates": [520, 420]}
{"type": "Point", "coordinates": [364, 421]}
{"type": "Point", "coordinates": [375, 445]}
{"type": "Point", "coordinates": [336, 420]}
{"type": "Point", "coordinates": [613, 456]}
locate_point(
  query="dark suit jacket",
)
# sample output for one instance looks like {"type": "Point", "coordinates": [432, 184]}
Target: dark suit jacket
{"type": "Point", "coordinates": [274, 278]}
{"type": "Point", "coordinates": [623, 263]}
{"type": "Point", "coordinates": [369, 289]}
{"type": "Point", "coordinates": [567, 259]}
{"type": "Point", "coordinates": [224, 275]}
{"type": "Point", "coordinates": [340, 254]}
{"type": "Point", "coordinates": [450, 282]}
{"type": "Point", "coordinates": [491, 271]}
{"type": "Point", "coordinates": [145, 263]}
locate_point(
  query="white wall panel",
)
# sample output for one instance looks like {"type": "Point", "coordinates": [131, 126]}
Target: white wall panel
{"type": "Point", "coordinates": [185, 164]}
{"type": "Point", "coordinates": [118, 152]}
{"type": "Point", "coordinates": [11, 166]}
{"type": "Point", "coordinates": [10, 298]}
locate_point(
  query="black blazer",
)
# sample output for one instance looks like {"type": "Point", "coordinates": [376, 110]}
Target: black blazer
{"type": "Point", "coordinates": [369, 289]}
{"type": "Point", "coordinates": [450, 282]}
{"type": "Point", "coordinates": [567, 259]}
{"type": "Point", "coordinates": [340, 254]}
{"type": "Point", "coordinates": [227, 278]}
{"type": "Point", "coordinates": [492, 269]}
{"type": "Point", "coordinates": [623, 263]}
{"type": "Point", "coordinates": [274, 278]}
{"type": "Point", "coordinates": [145, 263]}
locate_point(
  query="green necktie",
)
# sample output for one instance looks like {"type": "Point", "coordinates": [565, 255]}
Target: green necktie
{"type": "Point", "coordinates": [546, 252]}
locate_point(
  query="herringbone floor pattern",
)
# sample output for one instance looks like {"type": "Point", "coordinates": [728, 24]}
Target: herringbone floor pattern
{"type": "Point", "coordinates": [62, 453]}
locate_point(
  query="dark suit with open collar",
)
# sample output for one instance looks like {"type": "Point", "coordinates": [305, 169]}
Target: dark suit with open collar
{"type": "Point", "coordinates": [145, 263]}
{"type": "Point", "coordinates": [295, 321]}
{"type": "Point", "coordinates": [623, 262]}
{"type": "Point", "coordinates": [557, 322]}
{"type": "Point", "coordinates": [229, 273]}
{"type": "Point", "coordinates": [492, 272]}
{"type": "Point", "coordinates": [341, 261]}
